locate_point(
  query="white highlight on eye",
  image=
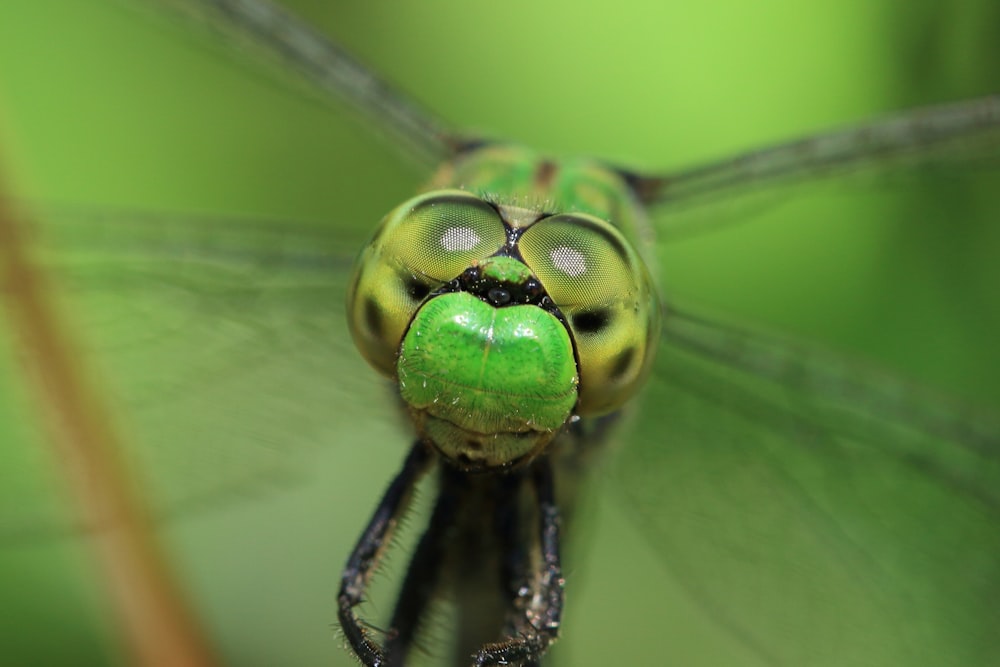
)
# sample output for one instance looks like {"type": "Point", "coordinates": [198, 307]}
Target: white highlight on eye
{"type": "Point", "coordinates": [460, 238]}
{"type": "Point", "coordinates": [568, 260]}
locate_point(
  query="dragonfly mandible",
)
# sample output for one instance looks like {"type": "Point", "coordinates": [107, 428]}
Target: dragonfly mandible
{"type": "Point", "coordinates": [519, 112]}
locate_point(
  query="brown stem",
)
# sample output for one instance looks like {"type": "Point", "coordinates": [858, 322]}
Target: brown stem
{"type": "Point", "coordinates": [158, 628]}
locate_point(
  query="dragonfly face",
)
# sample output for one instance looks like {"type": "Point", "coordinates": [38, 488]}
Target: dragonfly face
{"type": "Point", "coordinates": [924, 268]}
{"type": "Point", "coordinates": [501, 322]}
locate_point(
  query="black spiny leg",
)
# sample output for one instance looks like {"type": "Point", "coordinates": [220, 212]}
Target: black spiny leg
{"type": "Point", "coordinates": [367, 551]}
{"type": "Point", "coordinates": [514, 543]}
{"type": "Point", "coordinates": [424, 570]}
{"type": "Point", "coordinates": [541, 615]}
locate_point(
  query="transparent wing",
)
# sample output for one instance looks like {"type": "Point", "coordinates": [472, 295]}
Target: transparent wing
{"type": "Point", "coordinates": [202, 331]}
{"type": "Point", "coordinates": [937, 140]}
{"type": "Point", "coordinates": [215, 341]}
{"type": "Point", "coordinates": [817, 510]}
{"type": "Point", "coordinates": [271, 32]}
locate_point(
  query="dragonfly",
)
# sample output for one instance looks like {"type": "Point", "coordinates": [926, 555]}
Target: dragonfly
{"type": "Point", "coordinates": [721, 561]}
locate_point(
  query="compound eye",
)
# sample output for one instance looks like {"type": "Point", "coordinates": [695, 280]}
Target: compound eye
{"type": "Point", "coordinates": [580, 260]}
{"type": "Point", "coordinates": [422, 244]}
{"type": "Point", "coordinates": [440, 235]}
{"type": "Point", "coordinates": [603, 289]}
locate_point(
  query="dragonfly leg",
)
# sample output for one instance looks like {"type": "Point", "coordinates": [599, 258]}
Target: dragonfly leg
{"type": "Point", "coordinates": [538, 609]}
{"type": "Point", "coordinates": [363, 559]}
{"type": "Point", "coordinates": [423, 572]}
{"type": "Point", "coordinates": [515, 566]}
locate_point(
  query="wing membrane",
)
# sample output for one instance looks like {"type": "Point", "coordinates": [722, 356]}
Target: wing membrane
{"type": "Point", "coordinates": [216, 344]}
{"type": "Point", "coordinates": [272, 32]}
{"type": "Point", "coordinates": [822, 512]}
{"type": "Point", "coordinates": [961, 135]}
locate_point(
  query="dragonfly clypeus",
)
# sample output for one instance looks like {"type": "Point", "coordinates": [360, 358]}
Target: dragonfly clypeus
{"type": "Point", "coordinates": [109, 106]}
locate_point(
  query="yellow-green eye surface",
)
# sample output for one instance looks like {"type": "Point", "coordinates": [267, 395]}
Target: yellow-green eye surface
{"type": "Point", "coordinates": [602, 287]}
{"type": "Point", "coordinates": [420, 245]}
{"type": "Point", "coordinates": [579, 259]}
{"type": "Point", "coordinates": [439, 235]}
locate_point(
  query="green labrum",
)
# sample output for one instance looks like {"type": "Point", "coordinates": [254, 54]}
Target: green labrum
{"type": "Point", "coordinates": [489, 386]}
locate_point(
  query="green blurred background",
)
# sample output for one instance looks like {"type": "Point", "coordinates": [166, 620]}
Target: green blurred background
{"type": "Point", "coordinates": [104, 104]}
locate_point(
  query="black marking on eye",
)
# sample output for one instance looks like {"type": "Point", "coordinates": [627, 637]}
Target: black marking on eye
{"type": "Point", "coordinates": [623, 362]}
{"type": "Point", "coordinates": [468, 200]}
{"type": "Point", "coordinates": [415, 289]}
{"type": "Point", "coordinates": [591, 321]}
{"type": "Point", "coordinates": [373, 316]}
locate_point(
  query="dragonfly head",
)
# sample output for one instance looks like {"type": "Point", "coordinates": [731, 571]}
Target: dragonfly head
{"type": "Point", "coordinates": [500, 327]}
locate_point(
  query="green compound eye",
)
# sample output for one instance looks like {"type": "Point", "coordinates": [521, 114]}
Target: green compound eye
{"type": "Point", "coordinates": [420, 245]}
{"type": "Point", "coordinates": [602, 287]}
{"type": "Point", "coordinates": [442, 234]}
